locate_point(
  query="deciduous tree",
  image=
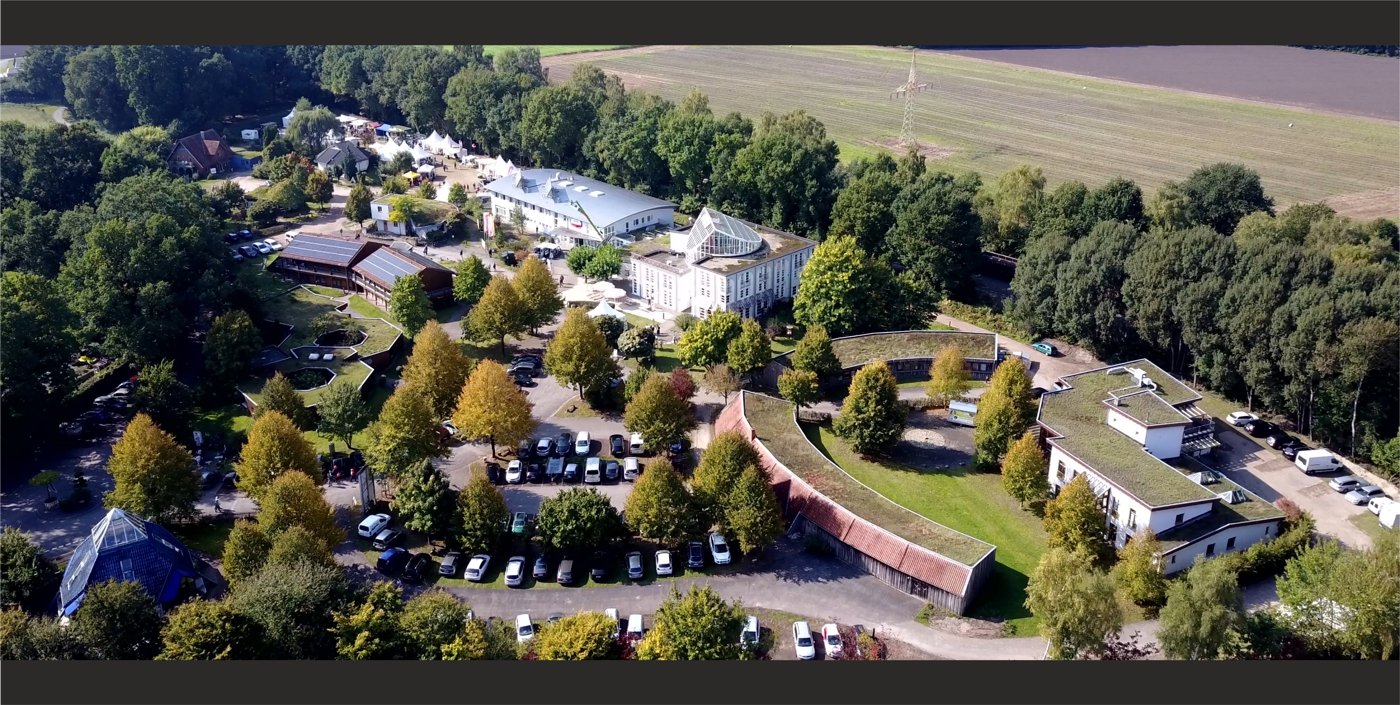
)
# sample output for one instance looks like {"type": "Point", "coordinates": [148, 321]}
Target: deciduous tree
{"type": "Point", "coordinates": [318, 187]}
{"type": "Point", "coordinates": [696, 626]}
{"type": "Point", "coordinates": [579, 518]}
{"type": "Point", "coordinates": [799, 387]}
{"type": "Point", "coordinates": [1075, 603]}
{"type": "Point", "coordinates": [26, 573]}
{"type": "Point", "coordinates": [1004, 412]}
{"type": "Point", "coordinates": [438, 368]}
{"type": "Point", "coordinates": [357, 204]}
{"type": "Point", "coordinates": [230, 346]}
{"type": "Point", "coordinates": [278, 395]}
{"type": "Point", "coordinates": [1137, 573]}
{"type": "Point", "coordinates": [612, 328]}
{"type": "Point", "coordinates": [245, 551]}
{"type": "Point", "coordinates": [370, 630]}
{"type": "Point", "coordinates": [1345, 598]}
{"type": "Point", "coordinates": [499, 313]}
{"type": "Point", "coordinates": [659, 415]}
{"type": "Point", "coordinates": [539, 297]}
{"type": "Point", "coordinates": [872, 417]}
{"type": "Point", "coordinates": [639, 343]}
{"type": "Point", "coordinates": [707, 342]}
{"type": "Point", "coordinates": [297, 545]}
{"type": "Point", "coordinates": [1074, 521]}
{"type": "Point", "coordinates": [1018, 196]}
{"type": "Point", "coordinates": [751, 511]}
{"type": "Point", "coordinates": [751, 350]}
{"type": "Point", "coordinates": [470, 281]}
{"type": "Point", "coordinates": [294, 605]}
{"type": "Point", "coordinates": [153, 476]}
{"type": "Point", "coordinates": [683, 383]}
{"type": "Point", "coordinates": [721, 466]}
{"type": "Point", "coordinates": [1023, 471]}
{"type": "Point", "coordinates": [579, 356]}
{"type": "Point", "coordinates": [118, 621]}
{"type": "Point", "coordinates": [209, 630]}
{"type": "Point", "coordinates": [814, 354]}
{"type": "Point", "coordinates": [492, 408]}
{"type": "Point", "coordinates": [274, 446]}
{"type": "Point", "coordinates": [586, 636]}
{"type": "Point", "coordinates": [1202, 611]}
{"type": "Point", "coordinates": [1219, 195]}
{"type": "Point", "coordinates": [429, 620]}
{"type": "Point", "coordinates": [409, 305]}
{"type": "Point", "coordinates": [405, 433]}
{"type": "Point", "coordinates": [481, 513]}
{"type": "Point", "coordinates": [949, 379]}
{"type": "Point", "coordinates": [163, 397]}
{"type": "Point", "coordinates": [424, 501]}
{"type": "Point", "coordinates": [342, 413]}
{"type": "Point", "coordinates": [843, 290]}
{"type": "Point", "coordinates": [722, 381]}
{"type": "Point", "coordinates": [660, 507]}
{"type": "Point", "coordinates": [294, 499]}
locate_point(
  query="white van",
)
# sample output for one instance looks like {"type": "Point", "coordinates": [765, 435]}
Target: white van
{"type": "Point", "coordinates": [1315, 461]}
{"type": "Point", "coordinates": [637, 447]}
{"type": "Point", "coordinates": [634, 625]}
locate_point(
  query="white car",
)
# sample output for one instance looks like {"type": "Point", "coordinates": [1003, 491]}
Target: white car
{"type": "Point", "coordinates": [611, 612]}
{"type": "Point", "coordinates": [636, 446]}
{"type": "Point", "coordinates": [593, 471]}
{"type": "Point", "coordinates": [1240, 418]}
{"type": "Point", "coordinates": [1378, 503]}
{"type": "Point", "coordinates": [663, 562]}
{"type": "Point", "coordinates": [802, 639]}
{"type": "Point", "coordinates": [1363, 495]}
{"type": "Point", "coordinates": [515, 472]}
{"type": "Point", "coordinates": [450, 428]}
{"type": "Point", "coordinates": [1344, 484]}
{"type": "Point", "coordinates": [750, 633]}
{"type": "Point", "coordinates": [719, 549]}
{"type": "Point", "coordinates": [373, 524]}
{"type": "Point", "coordinates": [292, 234]}
{"type": "Point", "coordinates": [583, 444]}
{"type": "Point", "coordinates": [631, 469]}
{"type": "Point", "coordinates": [634, 626]}
{"type": "Point", "coordinates": [515, 571]}
{"type": "Point", "coordinates": [476, 567]}
{"type": "Point", "coordinates": [262, 247]}
{"type": "Point", "coordinates": [524, 628]}
{"type": "Point", "coordinates": [831, 638]}
{"type": "Point", "coordinates": [274, 245]}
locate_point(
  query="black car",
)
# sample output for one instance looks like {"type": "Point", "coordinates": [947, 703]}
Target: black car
{"type": "Point", "coordinates": [522, 379]}
{"type": "Point", "coordinates": [387, 538]}
{"type": "Point", "coordinates": [571, 472]}
{"type": "Point", "coordinates": [1291, 450]}
{"type": "Point", "coordinates": [533, 473]}
{"type": "Point", "coordinates": [599, 571]}
{"type": "Point", "coordinates": [529, 369]}
{"type": "Point", "coordinates": [695, 556]}
{"type": "Point", "coordinates": [618, 445]}
{"type": "Point", "coordinates": [1279, 440]}
{"type": "Point", "coordinates": [541, 568]}
{"type": "Point", "coordinates": [249, 252]}
{"type": "Point", "coordinates": [562, 445]}
{"type": "Point", "coordinates": [231, 237]}
{"type": "Point", "coordinates": [676, 448]}
{"type": "Point", "coordinates": [1259, 428]}
{"type": "Point", "coordinates": [495, 474]}
{"type": "Point", "coordinates": [416, 568]}
{"type": "Point", "coordinates": [246, 234]}
{"type": "Point", "coordinates": [508, 259]}
{"type": "Point", "coordinates": [525, 449]}
{"type": "Point", "coordinates": [535, 359]}
{"type": "Point", "coordinates": [611, 470]}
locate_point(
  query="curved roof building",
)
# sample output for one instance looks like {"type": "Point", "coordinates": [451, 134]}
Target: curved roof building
{"type": "Point", "coordinates": [125, 547]}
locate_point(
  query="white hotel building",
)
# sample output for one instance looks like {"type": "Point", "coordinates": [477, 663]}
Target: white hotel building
{"type": "Point", "coordinates": [1129, 429]}
{"type": "Point", "coordinates": [547, 196]}
{"type": "Point", "coordinates": [721, 263]}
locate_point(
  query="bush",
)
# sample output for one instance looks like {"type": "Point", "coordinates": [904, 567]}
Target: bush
{"type": "Point", "coordinates": [684, 321]}
{"type": "Point", "coordinates": [263, 212]}
{"type": "Point", "coordinates": [1268, 557]}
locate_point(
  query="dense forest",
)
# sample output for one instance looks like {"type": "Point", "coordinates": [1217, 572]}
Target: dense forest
{"type": "Point", "coordinates": [1289, 308]}
{"type": "Point", "coordinates": [1374, 50]}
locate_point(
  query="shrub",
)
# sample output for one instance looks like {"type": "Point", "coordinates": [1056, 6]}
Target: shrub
{"type": "Point", "coordinates": [684, 321]}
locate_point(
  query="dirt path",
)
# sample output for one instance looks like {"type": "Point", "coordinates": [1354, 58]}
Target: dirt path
{"type": "Point", "coordinates": [58, 116]}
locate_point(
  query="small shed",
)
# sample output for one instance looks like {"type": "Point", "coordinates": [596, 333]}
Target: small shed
{"type": "Point", "coordinates": [963, 413]}
{"type": "Point", "coordinates": [250, 135]}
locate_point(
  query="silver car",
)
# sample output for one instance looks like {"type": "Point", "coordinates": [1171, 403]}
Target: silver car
{"type": "Point", "coordinates": [635, 570]}
{"type": "Point", "coordinates": [1344, 484]}
{"type": "Point", "coordinates": [1362, 495]}
{"type": "Point", "coordinates": [450, 563]}
{"type": "Point", "coordinates": [476, 567]}
{"type": "Point", "coordinates": [515, 571]}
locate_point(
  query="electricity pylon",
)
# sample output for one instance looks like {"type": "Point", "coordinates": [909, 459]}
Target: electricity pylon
{"type": "Point", "coordinates": [910, 87]}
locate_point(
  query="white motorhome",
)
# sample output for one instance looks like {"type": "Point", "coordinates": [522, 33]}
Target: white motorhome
{"type": "Point", "coordinates": [1390, 515]}
{"type": "Point", "coordinates": [1315, 461]}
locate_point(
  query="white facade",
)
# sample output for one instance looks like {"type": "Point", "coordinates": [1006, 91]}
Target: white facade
{"type": "Point", "coordinates": [1161, 441]}
{"type": "Point", "coordinates": [547, 199]}
{"type": "Point", "coordinates": [1228, 540]}
{"type": "Point", "coordinates": [662, 285]}
{"type": "Point", "coordinates": [1127, 514]}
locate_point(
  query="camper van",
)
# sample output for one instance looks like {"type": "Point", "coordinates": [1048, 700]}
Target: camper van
{"type": "Point", "coordinates": [1315, 461]}
{"type": "Point", "coordinates": [962, 413]}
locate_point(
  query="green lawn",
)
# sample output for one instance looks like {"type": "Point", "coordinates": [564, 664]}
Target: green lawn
{"type": "Point", "coordinates": [31, 114]}
{"type": "Point", "coordinates": [325, 291]}
{"type": "Point", "coordinates": [973, 503]}
{"type": "Point", "coordinates": [1368, 523]}
{"type": "Point", "coordinates": [207, 537]}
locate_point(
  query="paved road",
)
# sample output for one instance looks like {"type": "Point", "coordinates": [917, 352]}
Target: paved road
{"type": "Point", "coordinates": [1044, 369]}
{"type": "Point", "coordinates": [792, 582]}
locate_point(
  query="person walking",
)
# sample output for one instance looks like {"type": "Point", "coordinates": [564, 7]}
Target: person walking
{"type": "Point", "coordinates": [217, 508]}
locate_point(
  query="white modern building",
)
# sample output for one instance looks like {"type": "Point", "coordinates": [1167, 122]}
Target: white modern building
{"type": "Point", "coordinates": [562, 205]}
{"type": "Point", "coordinates": [721, 263]}
{"type": "Point", "coordinates": [1129, 429]}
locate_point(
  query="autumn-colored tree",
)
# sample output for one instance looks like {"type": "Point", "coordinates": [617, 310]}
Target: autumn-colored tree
{"type": "Point", "coordinates": [294, 499]}
{"type": "Point", "coordinates": [814, 354]}
{"type": "Point", "coordinates": [280, 396]}
{"type": "Point", "coordinates": [371, 629]}
{"type": "Point", "coordinates": [1023, 471]}
{"type": "Point", "coordinates": [481, 513]}
{"type": "Point", "coordinates": [698, 625]}
{"type": "Point", "coordinates": [799, 387]}
{"type": "Point", "coordinates": [659, 415]}
{"type": "Point", "coordinates": [586, 636]}
{"type": "Point", "coordinates": [751, 511]}
{"type": "Point", "coordinates": [1075, 522]}
{"type": "Point", "coordinates": [405, 433]}
{"type": "Point", "coordinates": [539, 296]}
{"type": "Point", "coordinates": [154, 477]}
{"type": "Point", "coordinates": [660, 507]}
{"type": "Point", "coordinates": [492, 408]}
{"type": "Point", "coordinates": [872, 417]}
{"type": "Point", "coordinates": [948, 380]}
{"type": "Point", "coordinates": [683, 383]}
{"type": "Point", "coordinates": [579, 355]}
{"type": "Point", "coordinates": [499, 313]}
{"type": "Point", "coordinates": [245, 551]}
{"type": "Point", "coordinates": [429, 620]}
{"type": "Point", "coordinates": [274, 446]}
{"type": "Point", "coordinates": [437, 368]}
{"type": "Point", "coordinates": [1004, 412]}
{"type": "Point", "coordinates": [722, 381]}
{"type": "Point", "coordinates": [1138, 576]}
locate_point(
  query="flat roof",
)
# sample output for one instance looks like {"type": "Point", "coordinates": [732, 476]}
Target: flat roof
{"type": "Point", "coordinates": [553, 189]}
{"type": "Point", "coordinates": [1079, 421]}
{"type": "Point", "coordinates": [325, 250]}
{"type": "Point", "coordinates": [1145, 407]}
{"type": "Point", "coordinates": [1223, 514]}
{"type": "Point", "coordinates": [776, 427]}
{"type": "Point", "coordinates": [860, 350]}
{"type": "Point", "coordinates": [663, 258]}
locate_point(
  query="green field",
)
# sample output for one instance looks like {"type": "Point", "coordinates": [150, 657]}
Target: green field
{"type": "Point", "coordinates": [32, 114]}
{"type": "Point", "coordinates": [989, 117]}
{"type": "Point", "coordinates": [973, 503]}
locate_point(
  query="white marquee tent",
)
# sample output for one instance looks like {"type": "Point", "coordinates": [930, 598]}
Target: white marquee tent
{"type": "Point", "coordinates": [603, 309]}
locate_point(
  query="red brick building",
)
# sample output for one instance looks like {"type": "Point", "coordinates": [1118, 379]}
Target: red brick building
{"type": "Point", "coordinates": [201, 155]}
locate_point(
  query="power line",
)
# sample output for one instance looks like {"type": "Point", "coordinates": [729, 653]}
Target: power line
{"type": "Point", "coordinates": [910, 87]}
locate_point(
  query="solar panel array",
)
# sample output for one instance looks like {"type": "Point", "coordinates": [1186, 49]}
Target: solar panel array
{"type": "Point", "coordinates": [386, 266]}
{"type": "Point", "coordinates": [323, 249]}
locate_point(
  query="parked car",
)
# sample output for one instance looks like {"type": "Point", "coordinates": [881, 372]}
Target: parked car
{"type": "Point", "coordinates": [1240, 418]}
{"type": "Point", "coordinates": [562, 444]}
{"type": "Point", "coordinates": [1311, 461]}
{"type": "Point", "coordinates": [749, 635]}
{"type": "Point", "coordinates": [611, 471]}
{"type": "Point", "coordinates": [554, 617]}
{"type": "Point", "coordinates": [634, 626]}
{"type": "Point", "coordinates": [273, 245]}
{"type": "Point", "coordinates": [515, 571]}
{"type": "Point", "coordinates": [476, 567]}
{"type": "Point", "coordinates": [262, 248]}
{"type": "Point", "coordinates": [449, 427]}
{"type": "Point", "coordinates": [635, 571]}
{"type": "Point", "coordinates": [663, 562]}
{"type": "Point", "coordinates": [515, 472]}
{"type": "Point", "coordinates": [1292, 450]}
{"type": "Point", "coordinates": [617, 445]}
{"type": "Point", "coordinates": [450, 562]}
{"type": "Point", "coordinates": [565, 574]}
{"type": "Point", "coordinates": [248, 234]}
{"type": "Point", "coordinates": [519, 523]}
{"type": "Point", "coordinates": [524, 449]}
{"type": "Point", "coordinates": [631, 469]}
{"type": "Point", "coordinates": [391, 561]}
{"type": "Point", "coordinates": [237, 256]}
{"type": "Point", "coordinates": [1044, 348]}
{"type": "Point", "coordinates": [1259, 428]}
{"type": "Point", "coordinates": [719, 549]}
{"type": "Point", "coordinates": [534, 473]}
{"type": "Point", "coordinates": [1362, 496]}
{"type": "Point", "coordinates": [541, 568]}
{"type": "Point", "coordinates": [1279, 440]}
{"type": "Point", "coordinates": [292, 234]}
{"type": "Point", "coordinates": [554, 470]}
{"type": "Point", "coordinates": [599, 571]}
{"type": "Point", "coordinates": [250, 252]}
{"type": "Point", "coordinates": [417, 568]}
{"type": "Point", "coordinates": [612, 614]}
{"type": "Point", "coordinates": [636, 447]}
{"type": "Point", "coordinates": [1378, 503]}
{"type": "Point", "coordinates": [571, 472]}
{"type": "Point", "coordinates": [1343, 484]}
{"type": "Point", "coordinates": [831, 638]}
{"type": "Point", "coordinates": [593, 471]}
{"type": "Point", "coordinates": [695, 555]}
{"type": "Point", "coordinates": [583, 444]}
{"type": "Point", "coordinates": [522, 380]}
{"type": "Point", "coordinates": [802, 639]}
{"type": "Point", "coordinates": [495, 474]}
{"type": "Point", "coordinates": [524, 628]}
{"type": "Point", "coordinates": [535, 359]}
{"type": "Point", "coordinates": [676, 448]}
{"type": "Point", "coordinates": [387, 538]}
{"type": "Point", "coordinates": [231, 237]}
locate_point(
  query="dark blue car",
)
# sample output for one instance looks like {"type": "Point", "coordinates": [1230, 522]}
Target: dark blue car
{"type": "Point", "coordinates": [392, 561]}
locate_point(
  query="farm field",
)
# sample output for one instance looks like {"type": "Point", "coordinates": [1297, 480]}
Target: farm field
{"type": "Point", "coordinates": [989, 117]}
{"type": "Point", "coordinates": [555, 49]}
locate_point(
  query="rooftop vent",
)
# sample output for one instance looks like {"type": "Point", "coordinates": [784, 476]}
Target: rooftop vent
{"type": "Point", "coordinates": [1232, 497]}
{"type": "Point", "coordinates": [1205, 477]}
{"type": "Point", "coordinates": [1116, 370]}
{"type": "Point", "coordinates": [596, 194]}
{"type": "Point", "coordinates": [580, 188]}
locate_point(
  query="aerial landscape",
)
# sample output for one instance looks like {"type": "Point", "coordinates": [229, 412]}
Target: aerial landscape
{"type": "Point", "coordinates": [655, 352]}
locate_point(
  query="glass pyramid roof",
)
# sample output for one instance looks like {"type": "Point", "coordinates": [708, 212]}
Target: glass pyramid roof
{"type": "Point", "coordinates": [715, 234]}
